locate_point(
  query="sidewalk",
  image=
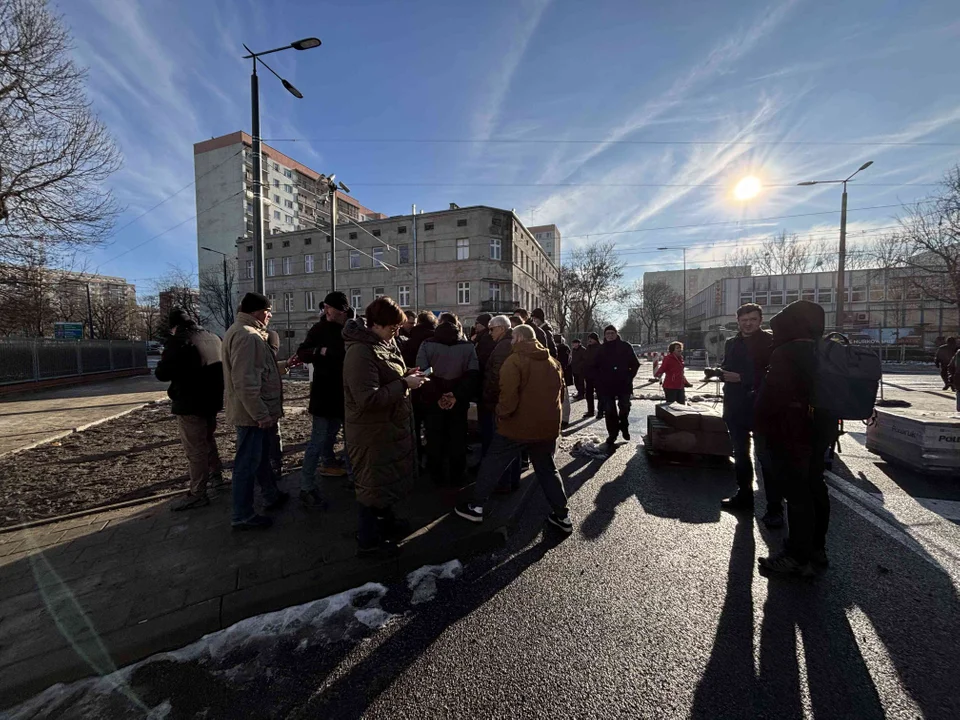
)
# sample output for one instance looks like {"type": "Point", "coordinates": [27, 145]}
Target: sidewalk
{"type": "Point", "coordinates": [83, 597]}
{"type": "Point", "coordinates": [27, 420]}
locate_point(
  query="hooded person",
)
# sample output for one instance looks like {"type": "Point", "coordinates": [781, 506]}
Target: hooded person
{"type": "Point", "coordinates": [942, 358]}
{"type": "Point", "coordinates": [577, 359]}
{"type": "Point", "coordinates": [615, 369]}
{"type": "Point", "coordinates": [454, 381]}
{"type": "Point", "coordinates": [482, 339]}
{"type": "Point", "coordinates": [797, 437]}
{"type": "Point", "coordinates": [191, 364]}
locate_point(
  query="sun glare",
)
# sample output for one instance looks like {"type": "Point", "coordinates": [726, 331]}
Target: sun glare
{"type": "Point", "coordinates": [747, 188]}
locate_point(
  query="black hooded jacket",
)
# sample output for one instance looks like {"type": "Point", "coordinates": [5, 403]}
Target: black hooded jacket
{"type": "Point", "coordinates": [191, 363]}
{"type": "Point", "coordinates": [411, 346]}
{"type": "Point", "coordinates": [325, 348]}
{"type": "Point", "coordinates": [783, 405]}
{"type": "Point", "coordinates": [455, 366]}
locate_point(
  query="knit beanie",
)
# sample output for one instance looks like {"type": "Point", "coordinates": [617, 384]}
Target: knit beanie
{"type": "Point", "coordinates": [254, 302]}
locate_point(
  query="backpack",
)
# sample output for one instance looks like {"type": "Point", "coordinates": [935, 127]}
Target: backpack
{"type": "Point", "coordinates": [847, 378]}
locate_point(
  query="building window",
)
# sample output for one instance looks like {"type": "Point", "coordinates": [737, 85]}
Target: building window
{"type": "Point", "coordinates": [271, 267]}
{"type": "Point", "coordinates": [495, 291]}
{"type": "Point", "coordinates": [308, 241]}
{"type": "Point", "coordinates": [288, 301]}
{"type": "Point", "coordinates": [353, 236]}
{"type": "Point", "coordinates": [403, 295]}
{"type": "Point", "coordinates": [288, 204]}
{"type": "Point", "coordinates": [355, 299]}
{"type": "Point", "coordinates": [404, 254]}
{"type": "Point", "coordinates": [276, 199]}
{"type": "Point", "coordinates": [377, 255]}
{"type": "Point", "coordinates": [310, 300]}
{"type": "Point", "coordinates": [376, 233]}
{"type": "Point", "coordinates": [308, 264]}
{"type": "Point", "coordinates": [288, 218]}
{"type": "Point", "coordinates": [286, 243]}
{"type": "Point", "coordinates": [249, 248]}
{"type": "Point", "coordinates": [825, 296]}
{"type": "Point", "coordinates": [276, 183]}
{"type": "Point", "coordinates": [808, 294]}
{"type": "Point", "coordinates": [354, 259]}
{"type": "Point", "coordinates": [379, 292]}
{"type": "Point", "coordinates": [428, 226]}
{"type": "Point", "coordinates": [462, 222]}
{"type": "Point", "coordinates": [496, 249]}
{"type": "Point", "coordinates": [275, 231]}
{"type": "Point", "coordinates": [249, 269]}
{"type": "Point", "coordinates": [859, 294]}
{"type": "Point", "coordinates": [288, 188]}
{"type": "Point", "coordinates": [287, 173]}
{"type": "Point", "coordinates": [249, 207]}
{"type": "Point", "coordinates": [497, 222]}
{"type": "Point", "coordinates": [272, 298]}
{"type": "Point", "coordinates": [463, 248]}
{"type": "Point", "coordinates": [288, 266]}
{"type": "Point", "coordinates": [463, 293]}
{"type": "Point", "coordinates": [276, 214]}
{"type": "Point", "coordinates": [776, 297]}
{"type": "Point", "coordinates": [326, 261]}
{"type": "Point", "coordinates": [276, 168]}
{"type": "Point", "coordinates": [792, 296]}
{"type": "Point", "coordinates": [746, 297]}
{"type": "Point", "coordinates": [269, 246]}
{"type": "Point", "coordinates": [402, 230]}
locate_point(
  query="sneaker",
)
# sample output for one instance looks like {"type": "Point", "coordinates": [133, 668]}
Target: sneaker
{"type": "Point", "coordinates": [946, 387]}
{"type": "Point", "coordinates": [773, 519]}
{"type": "Point", "coordinates": [564, 425]}
{"type": "Point", "coordinates": [469, 512]}
{"type": "Point", "coordinates": [612, 440]}
{"type": "Point", "coordinates": [257, 522]}
{"type": "Point", "coordinates": [190, 502]}
{"type": "Point", "coordinates": [331, 470]}
{"type": "Point", "coordinates": [737, 502]}
{"type": "Point", "coordinates": [312, 499]}
{"type": "Point", "coordinates": [587, 415]}
{"type": "Point", "coordinates": [282, 499]}
{"type": "Point", "coordinates": [625, 433]}
{"type": "Point", "coordinates": [561, 523]}
{"type": "Point", "coordinates": [819, 558]}
{"type": "Point", "coordinates": [783, 564]}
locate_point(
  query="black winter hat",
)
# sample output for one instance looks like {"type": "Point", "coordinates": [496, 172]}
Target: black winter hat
{"type": "Point", "coordinates": [484, 319]}
{"type": "Point", "coordinates": [254, 302]}
{"type": "Point", "coordinates": [179, 318]}
{"type": "Point", "coordinates": [538, 314]}
{"type": "Point", "coordinates": [593, 336]}
{"type": "Point", "coordinates": [611, 327]}
{"type": "Point", "coordinates": [337, 300]}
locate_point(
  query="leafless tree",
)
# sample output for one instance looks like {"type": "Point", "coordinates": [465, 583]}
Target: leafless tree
{"type": "Point", "coordinates": [596, 274]}
{"type": "Point", "coordinates": [148, 312]}
{"type": "Point", "coordinates": [218, 293]}
{"type": "Point", "coordinates": [558, 296]}
{"type": "Point", "coordinates": [55, 154]}
{"type": "Point", "coordinates": [177, 288]}
{"type": "Point", "coordinates": [114, 316]}
{"type": "Point", "coordinates": [780, 254]}
{"type": "Point", "coordinates": [655, 302]}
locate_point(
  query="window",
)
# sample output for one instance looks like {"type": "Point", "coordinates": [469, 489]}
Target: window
{"type": "Point", "coordinates": [876, 293]}
{"type": "Point", "coordinates": [272, 298]}
{"type": "Point", "coordinates": [859, 294]}
{"type": "Point", "coordinates": [326, 261]}
{"type": "Point", "coordinates": [428, 226]}
{"type": "Point", "coordinates": [353, 236]}
{"type": "Point", "coordinates": [288, 218]}
{"type": "Point", "coordinates": [276, 183]}
{"type": "Point", "coordinates": [495, 249]}
{"type": "Point", "coordinates": [379, 292]}
{"type": "Point", "coordinates": [308, 241]}
{"type": "Point", "coordinates": [249, 248]}
{"type": "Point", "coordinates": [287, 173]}
{"type": "Point", "coordinates": [495, 291]}
{"type": "Point", "coordinates": [497, 222]}
{"type": "Point", "coordinates": [825, 295]}
{"type": "Point", "coordinates": [760, 298]}
{"type": "Point", "coordinates": [288, 188]}
{"type": "Point", "coordinates": [463, 248]}
{"type": "Point", "coordinates": [402, 230]}
{"type": "Point", "coordinates": [310, 300]}
{"type": "Point", "coordinates": [308, 266]}
{"type": "Point", "coordinates": [792, 296]}
{"type": "Point", "coordinates": [249, 207]}
{"type": "Point", "coordinates": [286, 243]}
{"type": "Point", "coordinates": [808, 294]}
{"type": "Point", "coordinates": [746, 297]}
{"type": "Point", "coordinates": [276, 214]}
{"type": "Point", "coordinates": [269, 246]}
{"type": "Point", "coordinates": [776, 297]}
{"type": "Point", "coordinates": [403, 295]}
{"type": "Point", "coordinates": [288, 204]}
{"type": "Point", "coordinates": [404, 254]}
{"type": "Point", "coordinates": [276, 168]}
{"type": "Point", "coordinates": [249, 269]}
{"type": "Point", "coordinates": [354, 259]}
{"type": "Point", "coordinates": [377, 256]}
{"type": "Point", "coordinates": [355, 299]}
{"type": "Point", "coordinates": [276, 199]}
{"type": "Point", "coordinates": [288, 301]}
{"type": "Point", "coordinates": [376, 233]}
{"type": "Point", "coordinates": [462, 222]}
{"type": "Point", "coordinates": [271, 268]}
{"type": "Point", "coordinates": [288, 266]}
{"type": "Point", "coordinates": [463, 293]}
{"type": "Point", "coordinates": [275, 231]}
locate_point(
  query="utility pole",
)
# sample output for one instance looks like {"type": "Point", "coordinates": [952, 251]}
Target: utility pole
{"type": "Point", "coordinates": [333, 236]}
{"type": "Point", "coordinates": [227, 300]}
{"type": "Point", "coordinates": [259, 272]}
{"type": "Point", "coordinates": [416, 265]}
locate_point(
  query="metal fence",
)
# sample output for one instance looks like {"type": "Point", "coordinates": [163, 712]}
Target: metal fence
{"type": "Point", "coordinates": [33, 360]}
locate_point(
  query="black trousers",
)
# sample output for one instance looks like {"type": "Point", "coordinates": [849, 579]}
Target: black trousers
{"type": "Point", "coordinates": [578, 383]}
{"type": "Point", "coordinates": [743, 459]}
{"type": "Point", "coordinates": [447, 444]}
{"type": "Point", "coordinates": [675, 396]}
{"type": "Point", "coordinates": [616, 421]}
{"type": "Point", "coordinates": [590, 388]}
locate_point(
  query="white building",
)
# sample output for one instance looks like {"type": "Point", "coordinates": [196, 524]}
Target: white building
{"type": "Point", "coordinates": [549, 238]}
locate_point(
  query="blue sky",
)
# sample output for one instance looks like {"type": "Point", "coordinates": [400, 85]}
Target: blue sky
{"type": "Point", "coordinates": [765, 84]}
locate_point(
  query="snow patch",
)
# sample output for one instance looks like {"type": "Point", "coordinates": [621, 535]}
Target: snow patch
{"type": "Point", "coordinates": [423, 581]}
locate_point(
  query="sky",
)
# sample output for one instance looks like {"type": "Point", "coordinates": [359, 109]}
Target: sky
{"type": "Point", "coordinates": [616, 120]}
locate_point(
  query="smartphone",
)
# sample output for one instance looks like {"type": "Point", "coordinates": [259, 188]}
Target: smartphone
{"type": "Point", "coordinates": [428, 372]}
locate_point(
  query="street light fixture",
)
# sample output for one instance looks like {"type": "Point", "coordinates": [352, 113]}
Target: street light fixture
{"type": "Point", "coordinates": [259, 277]}
{"type": "Point", "coordinates": [684, 285]}
{"type": "Point", "coordinates": [842, 255]}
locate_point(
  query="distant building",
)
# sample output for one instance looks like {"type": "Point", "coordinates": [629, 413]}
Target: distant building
{"type": "Point", "coordinates": [469, 261]}
{"type": "Point", "coordinates": [549, 238]}
{"type": "Point", "coordinates": [697, 278]}
{"type": "Point", "coordinates": [187, 299]}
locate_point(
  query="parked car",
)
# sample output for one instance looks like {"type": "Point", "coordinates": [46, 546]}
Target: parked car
{"type": "Point", "coordinates": [154, 347]}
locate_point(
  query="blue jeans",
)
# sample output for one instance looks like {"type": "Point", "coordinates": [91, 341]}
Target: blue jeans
{"type": "Point", "coordinates": [252, 464]}
{"type": "Point", "coordinates": [504, 451]}
{"type": "Point", "coordinates": [323, 436]}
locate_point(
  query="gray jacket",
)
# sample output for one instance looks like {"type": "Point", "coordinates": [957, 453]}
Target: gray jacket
{"type": "Point", "coordinates": [454, 361]}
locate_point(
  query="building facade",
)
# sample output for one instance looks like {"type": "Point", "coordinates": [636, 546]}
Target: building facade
{"type": "Point", "coordinates": [697, 278]}
{"type": "Point", "coordinates": [293, 198]}
{"type": "Point", "coordinates": [465, 260]}
{"type": "Point", "coordinates": [549, 238]}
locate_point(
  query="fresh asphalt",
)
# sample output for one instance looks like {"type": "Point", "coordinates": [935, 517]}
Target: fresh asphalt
{"type": "Point", "coordinates": [652, 608]}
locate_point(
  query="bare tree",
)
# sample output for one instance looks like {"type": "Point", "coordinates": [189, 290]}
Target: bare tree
{"type": "Point", "coordinates": [596, 273]}
{"type": "Point", "coordinates": [114, 316]}
{"type": "Point", "coordinates": [218, 293]}
{"type": "Point", "coordinates": [558, 296]}
{"type": "Point", "coordinates": [782, 254]}
{"type": "Point", "coordinates": [55, 154]}
{"type": "Point", "coordinates": [148, 312]}
{"type": "Point", "coordinates": [177, 289]}
{"type": "Point", "coordinates": [655, 302]}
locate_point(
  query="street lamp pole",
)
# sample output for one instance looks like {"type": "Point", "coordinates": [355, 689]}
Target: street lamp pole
{"type": "Point", "coordinates": [227, 300]}
{"type": "Point", "coordinates": [259, 274]}
{"type": "Point", "coordinates": [332, 186]}
{"type": "Point", "coordinates": [842, 254]}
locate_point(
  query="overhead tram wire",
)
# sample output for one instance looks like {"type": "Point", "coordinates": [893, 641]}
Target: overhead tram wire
{"type": "Point", "coordinates": [558, 141]}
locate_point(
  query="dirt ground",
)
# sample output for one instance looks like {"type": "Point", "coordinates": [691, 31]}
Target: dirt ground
{"type": "Point", "coordinates": [129, 457]}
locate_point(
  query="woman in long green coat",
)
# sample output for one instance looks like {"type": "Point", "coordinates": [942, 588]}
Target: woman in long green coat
{"type": "Point", "coordinates": [378, 423]}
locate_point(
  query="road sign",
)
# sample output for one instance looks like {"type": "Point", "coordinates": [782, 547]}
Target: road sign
{"type": "Point", "coordinates": [68, 330]}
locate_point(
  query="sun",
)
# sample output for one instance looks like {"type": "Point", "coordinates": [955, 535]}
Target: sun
{"type": "Point", "coordinates": [747, 188]}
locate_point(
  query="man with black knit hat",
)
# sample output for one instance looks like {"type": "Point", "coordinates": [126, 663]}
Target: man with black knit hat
{"type": "Point", "coordinates": [616, 367]}
{"type": "Point", "coordinates": [482, 339]}
{"type": "Point", "coordinates": [254, 404]}
{"type": "Point", "coordinates": [324, 347]}
{"type": "Point", "coordinates": [191, 364]}
{"type": "Point", "coordinates": [591, 353]}
{"type": "Point", "coordinates": [539, 320]}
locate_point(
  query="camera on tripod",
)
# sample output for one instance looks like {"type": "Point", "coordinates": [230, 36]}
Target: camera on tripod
{"type": "Point", "coordinates": [712, 373]}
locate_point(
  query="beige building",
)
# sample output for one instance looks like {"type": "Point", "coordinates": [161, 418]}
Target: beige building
{"type": "Point", "coordinates": [465, 260]}
{"type": "Point", "coordinates": [549, 238]}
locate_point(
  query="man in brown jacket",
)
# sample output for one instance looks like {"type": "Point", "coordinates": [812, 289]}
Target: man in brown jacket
{"type": "Point", "coordinates": [528, 417]}
{"type": "Point", "coordinates": [254, 404]}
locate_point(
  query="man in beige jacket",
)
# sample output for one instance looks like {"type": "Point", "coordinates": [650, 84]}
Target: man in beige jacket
{"type": "Point", "coordinates": [254, 404]}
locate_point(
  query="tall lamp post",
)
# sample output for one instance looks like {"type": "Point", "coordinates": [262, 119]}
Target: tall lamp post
{"type": "Point", "coordinates": [331, 200]}
{"type": "Point", "coordinates": [684, 285]}
{"type": "Point", "coordinates": [227, 300]}
{"type": "Point", "coordinates": [259, 278]}
{"type": "Point", "coordinates": [842, 255]}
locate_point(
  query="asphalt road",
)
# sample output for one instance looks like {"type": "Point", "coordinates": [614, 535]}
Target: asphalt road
{"type": "Point", "coordinates": [653, 608]}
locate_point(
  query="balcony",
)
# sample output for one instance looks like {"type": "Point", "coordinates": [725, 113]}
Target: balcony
{"type": "Point", "coordinates": [498, 306]}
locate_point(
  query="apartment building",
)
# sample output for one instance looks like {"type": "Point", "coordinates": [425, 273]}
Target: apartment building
{"type": "Point", "coordinates": [293, 198]}
{"type": "Point", "coordinates": [549, 238]}
{"type": "Point", "coordinates": [465, 260]}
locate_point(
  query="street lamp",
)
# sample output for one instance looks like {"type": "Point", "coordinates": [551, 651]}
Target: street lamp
{"type": "Point", "coordinates": [684, 285]}
{"type": "Point", "coordinates": [842, 255]}
{"type": "Point", "coordinates": [259, 278]}
{"type": "Point", "coordinates": [227, 300]}
{"type": "Point", "coordinates": [332, 185]}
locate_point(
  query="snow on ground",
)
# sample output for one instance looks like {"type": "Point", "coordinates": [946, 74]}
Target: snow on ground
{"type": "Point", "coordinates": [423, 581]}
